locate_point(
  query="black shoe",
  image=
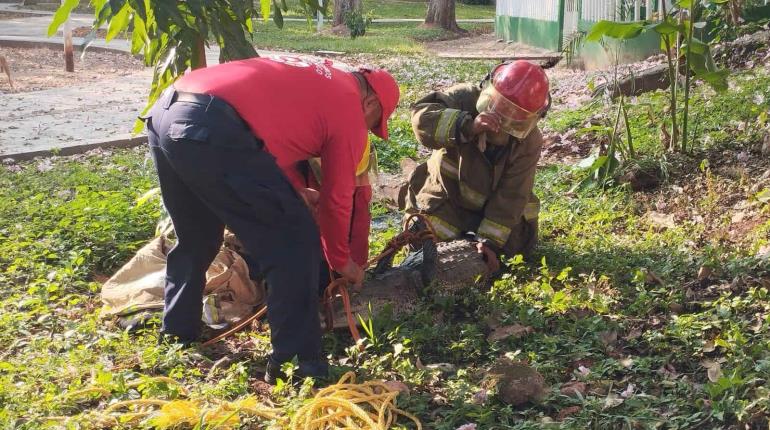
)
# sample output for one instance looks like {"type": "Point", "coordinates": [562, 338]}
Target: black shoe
{"type": "Point", "coordinates": [317, 369]}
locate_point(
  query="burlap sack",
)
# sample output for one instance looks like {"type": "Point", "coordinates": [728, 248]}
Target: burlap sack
{"type": "Point", "coordinates": [228, 296]}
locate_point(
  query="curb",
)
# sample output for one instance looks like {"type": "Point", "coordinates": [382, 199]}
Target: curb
{"type": "Point", "coordinates": [24, 42]}
{"type": "Point", "coordinates": [129, 142]}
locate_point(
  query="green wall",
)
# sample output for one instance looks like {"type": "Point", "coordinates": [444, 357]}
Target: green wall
{"type": "Point", "coordinates": [643, 46]}
{"type": "Point", "coordinates": [533, 32]}
{"type": "Point", "coordinates": [547, 35]}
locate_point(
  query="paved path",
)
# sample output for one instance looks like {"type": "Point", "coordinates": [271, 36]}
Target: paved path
{"type": "Point", "coordinates": [72, 118]}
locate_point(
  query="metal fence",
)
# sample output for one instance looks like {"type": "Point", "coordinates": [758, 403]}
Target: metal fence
{"type": "Point", "coordinates": [545, 10]}
{"type": "Point", "coordinates": [620, 10]}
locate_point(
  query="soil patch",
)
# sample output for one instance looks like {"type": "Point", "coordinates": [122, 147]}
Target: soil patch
{"type": "Point", "coordinates": [482, 45]}
{"type": "Point", "coordinates": [35, 69]}
{"type": "Point", "coordinates": [721, 201]}
{"type": "Point", "coordinates": [100, 33]}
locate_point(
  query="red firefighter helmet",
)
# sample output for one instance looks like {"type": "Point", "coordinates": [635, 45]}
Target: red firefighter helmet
{"type": "Point", "coordinates": [519, 94]}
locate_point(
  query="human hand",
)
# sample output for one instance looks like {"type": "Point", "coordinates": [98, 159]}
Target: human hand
{"type": "Point", "coordinates": [486, 122]}
{"type": "Point", "coordinates": [353, 273]}
{"type": "Point", "coordinates": [489, 256]}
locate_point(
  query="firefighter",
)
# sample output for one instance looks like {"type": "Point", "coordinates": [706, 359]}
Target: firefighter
{"type": "Point", "coordinates": [225, 141]}
{"type": "Point", "coordinates": [311, 174]}
{"type": "Point", "coordinates": [486, 146]}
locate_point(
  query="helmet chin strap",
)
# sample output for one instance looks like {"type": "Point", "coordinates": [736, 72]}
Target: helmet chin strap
{"type": "Point", "coordinates": [482, 143]}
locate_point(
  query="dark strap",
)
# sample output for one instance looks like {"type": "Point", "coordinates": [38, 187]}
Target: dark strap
{"type": "Point", "coordinates": [211, 102]}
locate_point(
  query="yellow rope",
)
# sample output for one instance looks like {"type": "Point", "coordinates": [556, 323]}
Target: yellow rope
{"type": "Point", "coordinates": [346, 404]}
{"type": "Point", "coordinates": [103, 392]}
{"type": "Point", "coordinates": [138, 402]}
{"type": "Point", "coordinates": [366, 406]}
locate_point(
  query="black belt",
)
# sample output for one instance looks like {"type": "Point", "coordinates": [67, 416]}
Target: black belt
{"type": "Point", "coordinates": [210, 102]}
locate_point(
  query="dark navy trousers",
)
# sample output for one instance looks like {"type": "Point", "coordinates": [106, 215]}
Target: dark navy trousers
{"type": "Point", "coordinates": [214, 173]}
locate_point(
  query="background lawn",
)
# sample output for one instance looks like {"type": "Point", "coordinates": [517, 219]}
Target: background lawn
{"type": "Point", "coordinates": [405, 9]}
{"type": "Point", "coordinates": [388, 38]}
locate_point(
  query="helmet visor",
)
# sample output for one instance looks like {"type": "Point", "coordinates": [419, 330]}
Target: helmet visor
{"type": "Point", "coordinates": [514, 120]}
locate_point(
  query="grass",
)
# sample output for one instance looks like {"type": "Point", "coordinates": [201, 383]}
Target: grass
{"type": "Point", "coordinates": [395, 9]}
{"type": "Point", "coordinates": [718, 120]}
{"type": "Point", "coordinates": [613, 300]}
{"type": "Point", "coordinates": [402, 38]}
{"type": "Point", "coordinates": [417, 9]}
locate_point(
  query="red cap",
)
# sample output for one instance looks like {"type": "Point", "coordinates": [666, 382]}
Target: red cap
{"type": "Point", "coordinates": [386, 88]}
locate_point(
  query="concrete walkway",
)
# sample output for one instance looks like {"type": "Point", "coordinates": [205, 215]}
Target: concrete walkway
{"type": "Point", "coordinates": [72, 119]}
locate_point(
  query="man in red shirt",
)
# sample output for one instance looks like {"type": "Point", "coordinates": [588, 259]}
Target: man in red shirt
{"type": "Point", "coordinates": [225, 141]}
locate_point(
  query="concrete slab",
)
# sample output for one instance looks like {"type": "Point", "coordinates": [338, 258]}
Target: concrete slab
{"type": "Point", "coordinates": [60, 118]}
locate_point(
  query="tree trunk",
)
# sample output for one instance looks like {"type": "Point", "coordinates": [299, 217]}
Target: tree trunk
{"type": "Point", "coordinates": [5, 68]}
{"type": "Point", "coordinates": [69, 54]}
{"type": "Point", "coordinates": [736, 6]}
{"type": "Point", "coordinates": [341, 7]}
{"type": "Point", "coordinates": [441, 13]}
{"type": "Point", "coordinates": [198, 60]}
{"type": "Point", "coordinates": [450, 268]}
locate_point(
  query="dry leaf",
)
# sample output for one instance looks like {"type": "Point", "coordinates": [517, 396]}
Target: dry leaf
{"type": "Point", "coordinates": [612, 400]}
{"type": "Point", "coordinates": [396, 386]}
{"type": "Point", "coordinates": [676, 308]}
{"type": "Point", "coordinates": [661, 220]}
{"type": "Point", "coordinates": [418, 364]}
{"type": "Point", "coordinates": [635, 333]}
{"type": "Point", "coordinates": [504, 332]}
{"type": "Point", "coordinates": [442, 367]}
{"type": "Point", "coordinates": [668, 371]}
{"type": "Point", "coordinates": [480, 397]}
{"type": "Point", "coordinates": [608, 338]}
{"type": "Point", "coordinates": [704, 273]}
{"type": "Point", "coordinates": [709, 346]}
{"type": "Point", "coordinates": [626, 362]}
{"type": "Point", "coordinates": [713, 369]}
{"type": "Point", "coordinates": [651, 278]}
{"type": "Point", "coordinates": [564, 413]}
{"type": "Point", "coordinates": [493, 320]}
{"type": "Point", "coordinates": [573, 389]}
{"type": "Point", "coordinates": [629, 391]}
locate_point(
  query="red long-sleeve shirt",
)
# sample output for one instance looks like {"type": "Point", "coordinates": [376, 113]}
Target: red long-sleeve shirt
{"type": "Point", "coordinates": [301, 108]}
